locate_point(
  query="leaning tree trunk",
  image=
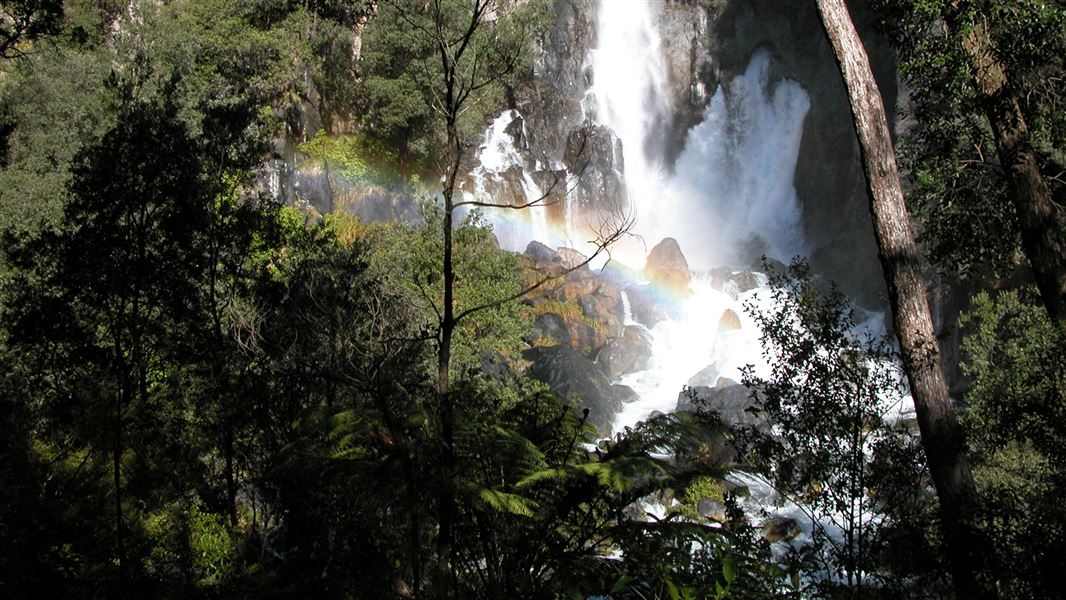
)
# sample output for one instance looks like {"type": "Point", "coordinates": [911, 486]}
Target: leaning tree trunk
{"type": "Point", "coordinates": [1041, 223]}
{"type": "Point", "coordinates": [941, 437]}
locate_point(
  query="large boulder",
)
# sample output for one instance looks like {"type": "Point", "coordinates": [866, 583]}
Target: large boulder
{"type": "Point", "coordinates": [705, 377]}
{"type": "Point", "coordinates": [584, 311]}
{"type": "Point", "coordinates": [541, 253]}
{"type": "Point", "coordinates": [731, 402]}
{"type": "Point", "coordinates": [494, 365]}
{"type": "Point", "coordinates": [667, 267]}
{"type": "Point", "coordinates": [729, 321]}
{"type": "Point", "coordinates": [571, 258]}
{"type": "Point", "coordinates": [779, 528]}
{"type": "Point", "coordinates": [627, 354]}
{"type": "Point", "coordinates": [733, 283]}
{"type": "Point", "coordinates": [624, 393]}
{"type": "Point", "coordinates": [572, 375]}
{"type": "Point", "coordinates": [551, 327]}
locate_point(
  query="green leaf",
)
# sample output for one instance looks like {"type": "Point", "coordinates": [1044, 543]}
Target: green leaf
{"type": "Point", "coordinates": [622, 583]}
{"type": "Point", "coordinates": [671, 588]}
{"type": "Point", "coordinates": [729, 572]}
{"type": "Point", "coordinates": [501, 501]}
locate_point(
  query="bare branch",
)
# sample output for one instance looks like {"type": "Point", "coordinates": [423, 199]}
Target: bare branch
{"type": "Point", "coordinates": [602, 244]}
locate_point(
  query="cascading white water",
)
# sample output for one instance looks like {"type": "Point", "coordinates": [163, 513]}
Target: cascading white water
{"type": "Point", "coordinates": [731, 182]}
{"type": "Point", "coordinates": [629, 94]}
{"type": "Point", "coordinates": [730, 194]}
{"type": "Point", "coordinates": [735, 175]}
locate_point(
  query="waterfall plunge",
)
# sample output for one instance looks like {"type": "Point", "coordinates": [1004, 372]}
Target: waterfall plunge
{"type": "Point", "coordinates": [630, 96]}
{"type": "Point", "coordinates": [729, 195]}
{"type": "Point", "coordinates": [731, 189]}
{"type": "Point", "coordinates": [731, 185]}
{"type": "Point", "coordinates": [734, 177]}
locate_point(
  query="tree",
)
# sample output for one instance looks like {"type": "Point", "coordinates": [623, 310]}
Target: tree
{"type": "Point", "coordinates": [477, 44]}
{"type": "Point", "coordinates": [900, 260]}
{"type": "Point", "coordinates": [987, 93]}
{"type": "Point", "coordinates": [838, 447]}
{"type": "Point", "coordinates": [23, 22]}
{"type": "Point", "coordinates": [1040, 220]}
{"type": "Point", "coordinates": [1014, 412]}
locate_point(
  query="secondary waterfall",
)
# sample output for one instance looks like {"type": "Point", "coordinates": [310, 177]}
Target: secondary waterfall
{"type": "Point", "coordinates": [734, 177]}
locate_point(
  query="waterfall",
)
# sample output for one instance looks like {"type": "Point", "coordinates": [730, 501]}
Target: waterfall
{"type": "Point", "coordinates": [497, 157]}
{"type": "Point", "coordinates": [730, 193]}
{"type": "Point", "coordinates": [629, 93]}
{"type": "Point", "coordinates": [735, 174]}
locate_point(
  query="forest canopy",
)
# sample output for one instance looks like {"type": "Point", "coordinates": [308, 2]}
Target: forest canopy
{"type": "Point", "coordinates": [216, 383]}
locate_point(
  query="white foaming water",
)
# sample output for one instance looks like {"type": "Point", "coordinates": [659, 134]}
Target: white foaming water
{"type": "Point", "coordinates": [630, 95]}
{"type": "Point", "coordinates": [732, 182]}
{"type": "Point", "coordinates": [685, 345]}
{"type": "Point", "coordinates": [735, 175]}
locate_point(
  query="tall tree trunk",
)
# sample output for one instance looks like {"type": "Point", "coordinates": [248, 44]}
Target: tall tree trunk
{"type": "Point", "coordinates": [231, 479]}
{"type": "Point", "coordinates": [1042, 224]}
{"type": "Point", "coordinates": [941, 437]}
{"type": "Point", "coordinates": [116, 456]}
{"type": "Point", "coordinates": [446, 499]}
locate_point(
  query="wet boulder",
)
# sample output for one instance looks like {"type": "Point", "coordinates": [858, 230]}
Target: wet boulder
{"type": "Point", "coordinates": [571, 258]}
{"type": "Point", "coordinates": [627, 354]}
{"type": "Point", "coordinates": [780, 529]}
{"type": "Point", "coordinates": [729, 321]}
{"type": "Point", "coordinates": [731, 402]}
{"type": "Point", "coordinates": [572, 375]}
{"type": "Point", "coordinates": [705, 377]}
{"type": "Point", "coordinates": [646, 309]}
{"type": "Point", "coordinates": [711, 508]}
{"type": "Point", "coordinates": [624, 393]}
{"type": "Point", "coordinates": [733, 283]}
{"type": "Point", "coordinates": [541, 253]}
{"type": "Point", "coordinates": [667, 267]}
{"type": "Point", "coordinates": [551, 327]}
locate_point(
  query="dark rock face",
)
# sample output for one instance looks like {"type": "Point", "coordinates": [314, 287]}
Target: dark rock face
{"type": "Point", "coordinates": [730, 402]}
{"type": "Point", "coordinates": [594, 152]}
{"type": "Point", "coordinates": [624, 393]}
{"type": "Point", "coordinates": [667, 267]}
{"type": "Point", "coordinates": [326, 192]}
{"type": "Point", "coordinates": [552, 326]}
{"type": "Point", "coordinates": [570, 373]}
{"type": "Point", "coordinates": [584, 311]}
{"type": "Point", "coordinates": [494, 365]}
{"type": "Point", "coordinates": [734, 284]}
{"type": "Point", "coordinates": [627, 354]}
{"type": "Point", "coordinates": [829, 179]}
